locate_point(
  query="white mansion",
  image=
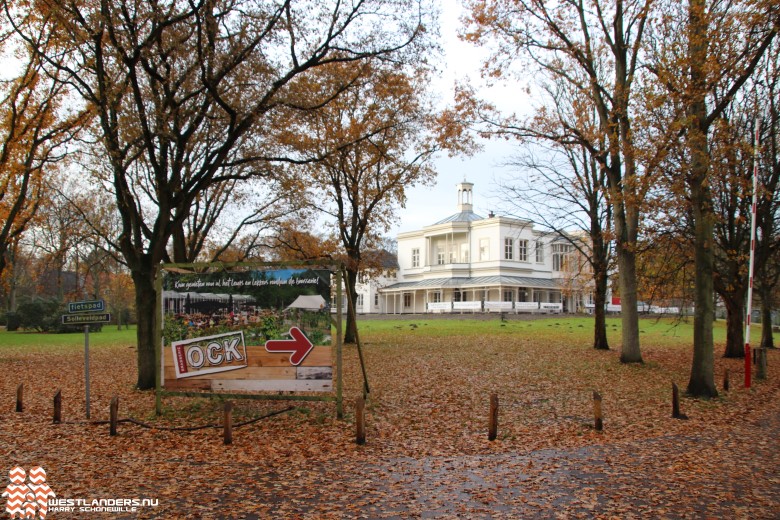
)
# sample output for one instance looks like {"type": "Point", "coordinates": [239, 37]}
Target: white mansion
{"type": "Point", "coordinates": [469, 263]}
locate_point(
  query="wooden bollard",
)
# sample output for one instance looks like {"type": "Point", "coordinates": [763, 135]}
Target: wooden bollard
{"type": "Point", "coordinates": [20, 397]}
{"type": "Point", "coordinates": [113, 411]}
{"type": "Point", "coordinates": [493, 419]}
{"type": "Point", "coordinates": [227, 422]}
{"type": "Point", "coordinates": [726, 380]}
{"type": "Point", "coordinates": [360, 421]}
{"type": "Point", "coordinates": [58, 407]}
{"type": "Point", "coordinates": [676, 403]}
{"type": "Point", "coordinates": [598, 418]}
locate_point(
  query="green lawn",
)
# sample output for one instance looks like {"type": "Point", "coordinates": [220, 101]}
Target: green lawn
{"type": "Point", "coordinates": [664, 331]}
{"type": "Point", "coordinates": [109, 336]}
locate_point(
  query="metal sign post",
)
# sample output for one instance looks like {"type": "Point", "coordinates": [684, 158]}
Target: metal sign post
{"type": "Point", "coordinates": [86, 364]}
{"type": "Point", "coordinates": [78, 315]}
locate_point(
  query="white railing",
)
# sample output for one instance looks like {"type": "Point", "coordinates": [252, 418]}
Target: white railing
{"type": "Point", "coordinates": [498, 306]}
{"type": "Point", "coordinates": [439, 306]}
{"type": "Point", "coordinates": [551, 307]}
{"type": "Point", "coordinates": [494, 306]}
{"type": "Point", "coordinates": [467, 306]}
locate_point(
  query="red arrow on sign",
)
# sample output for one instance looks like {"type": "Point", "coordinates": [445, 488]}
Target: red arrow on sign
{"type": "Point", "coordinates": [299, 345]}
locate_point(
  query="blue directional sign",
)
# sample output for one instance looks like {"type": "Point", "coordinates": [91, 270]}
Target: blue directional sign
{"type": "Point", "coordinates": [87, 306]}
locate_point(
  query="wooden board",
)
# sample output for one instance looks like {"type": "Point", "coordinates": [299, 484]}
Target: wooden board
{"type": "Point", "coordinates": [266, 371]}
{"type": "Point", "coordinates": [272, 386]}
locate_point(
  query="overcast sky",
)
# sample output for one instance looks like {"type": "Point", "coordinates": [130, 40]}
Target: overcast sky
{"type": "Point", "coordinates": [426, 205]}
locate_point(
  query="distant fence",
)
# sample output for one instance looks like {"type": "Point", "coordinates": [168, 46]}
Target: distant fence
{"type": "Point", "coordinates": [494, 306]}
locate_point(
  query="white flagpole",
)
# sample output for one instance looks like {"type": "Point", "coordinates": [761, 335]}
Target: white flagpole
{"type": "Point", "coordinates": [752, 254]}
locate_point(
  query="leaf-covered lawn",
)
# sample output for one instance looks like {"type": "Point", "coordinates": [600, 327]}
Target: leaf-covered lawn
{"type": "Point", "coordinates": [427, 453]}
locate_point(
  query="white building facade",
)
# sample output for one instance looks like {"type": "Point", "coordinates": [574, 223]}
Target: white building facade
{"type": "Point", "coordinates": [466, 262]}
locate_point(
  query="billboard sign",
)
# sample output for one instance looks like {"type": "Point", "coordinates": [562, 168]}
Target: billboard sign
{"type": "Point", "coordinates": [247, 328]}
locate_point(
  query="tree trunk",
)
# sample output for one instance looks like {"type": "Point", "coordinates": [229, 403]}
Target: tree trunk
{"type": "Point", "coordinates": [600, 341]}
{"type": "Point", "coordinates": [630, 352]}
{"type": "Point", "coordinates": [702, 381]}
{"type": "Point", "coordinates": [145, 304]}
{"type": "Point", "coordinates": [767, 339]}
{"type": "Point", "coordinates": [735, 334]}
{"type": "Point", "coordinates": [14, 274]}
{"type": "Point", "coordinates": [350, 333]}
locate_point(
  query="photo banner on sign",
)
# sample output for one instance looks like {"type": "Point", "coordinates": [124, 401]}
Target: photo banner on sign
{"type": "Point", "coordinates": [217, 325]}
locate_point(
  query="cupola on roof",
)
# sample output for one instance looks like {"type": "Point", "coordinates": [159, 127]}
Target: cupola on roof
{"type": "Point", "coordinates": [465, 205]}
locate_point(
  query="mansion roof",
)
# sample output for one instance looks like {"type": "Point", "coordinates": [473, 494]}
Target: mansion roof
{"type": "Point", "coordinates": [463, 216]}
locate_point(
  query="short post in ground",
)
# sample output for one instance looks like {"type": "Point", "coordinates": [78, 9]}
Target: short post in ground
{"type": "Point", "coordinates": [113, 410]}
{"type": "Point", "coordinates": [597, 414]}
{"type": "Point", "coordinates": [493, 420]}
{"type": "Point", "coordinates": [676, 403]}
{"type": "Point", "coordinates": [58, 407]}
{"type": "Point", "coordinates": [20, 398]}
{"type": "Point", "coordinates": [227, 423]}
{"type": "Point", "coordinates": [360, 421]}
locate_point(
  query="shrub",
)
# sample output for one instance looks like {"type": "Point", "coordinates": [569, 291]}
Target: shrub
{"type": "Point", "coordinates": [39, 314]}
{"type": "Point", "coordinates": [12, 321]}
{"type": "Point", "coordinates": [45, 315]}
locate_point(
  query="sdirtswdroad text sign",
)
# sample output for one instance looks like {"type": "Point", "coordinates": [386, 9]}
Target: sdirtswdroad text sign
{"type": "Point", "coordinates": [246, 329]}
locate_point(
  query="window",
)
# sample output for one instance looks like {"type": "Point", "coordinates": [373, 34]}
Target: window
{"type": "Point", "coordinates": [376, 299]}
{"type": "Point", "coordinates": [484, 249]}
{"type": "Point", "coordinates": [522, 250]}
{"type": "Point", "coordinates": [456, 296]}
{"type": "Point", "coordinates": [436, 297]}
{"type": "Point", "coordinates": [359, 303]}
{"type": "Point", "coordinates": [539, 251]}
{"type": "Point", "coordinates": [560, 253]}
{"type": "Point", "coordinates": [509, 295]}
{"type": "Point", "coordinates": [416, 257]}
{"type": "Point", "coordinates": [440, 258]}
{"type": "Point", "coordinates": [407, 300]}
{"type": "Point", "coordinates": [509, 247]}
{"type": "Point", "coordinates": [522, 294]}
{"type": "Point", "coordinates": [453, 256]}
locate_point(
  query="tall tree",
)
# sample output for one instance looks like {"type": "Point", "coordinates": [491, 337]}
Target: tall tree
{"type": "Point", "coordinates": [731, 174]}
{"type": "Point", "coordinates": [229, 212]}
{"type": "Point", "coordinates": [376, 141]}
{"type": "Point", "coordinates": [767, 275]}
{"type": "Point", "coordinates": [591, 49]}
{"type": "Point", "coordinates": [563, 193]}
{"type": "Point", "coordinates": [34, 127]}
{"type": "Point", "coordinates": [183, 93]}
{"type": "Point", "coordinates": [703, 66]}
